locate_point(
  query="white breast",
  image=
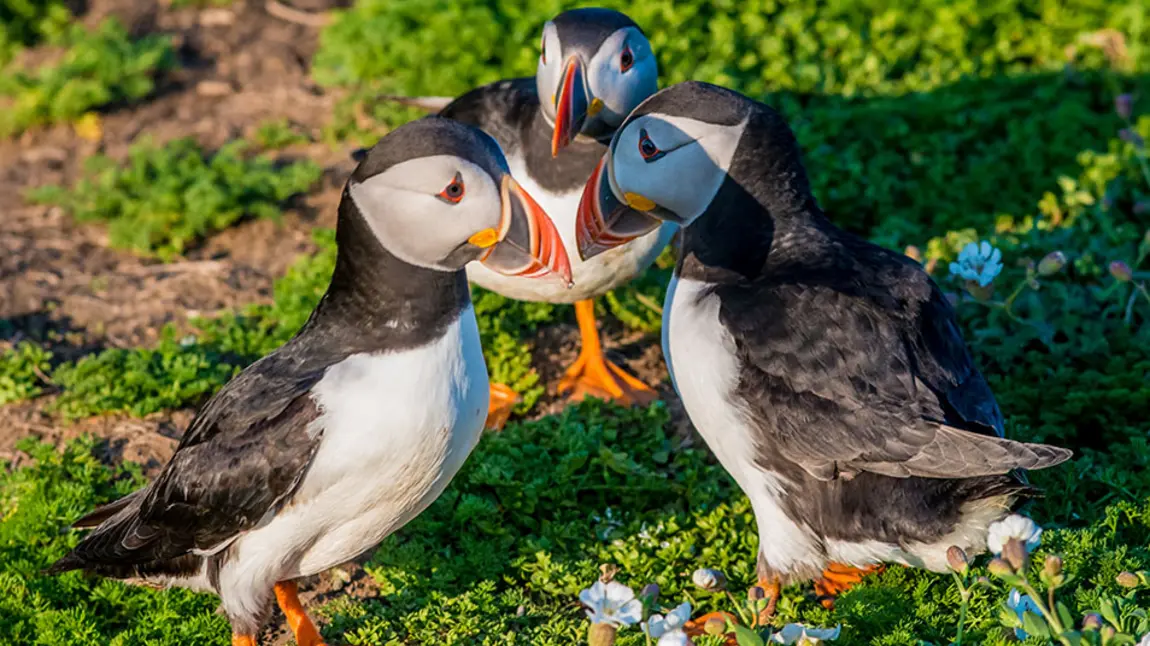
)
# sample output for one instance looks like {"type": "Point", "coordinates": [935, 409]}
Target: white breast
{"type": "Point", "coordinates": [705, 371]}
{"type": "Point", "coordinates": [592, 278]}
{"type": "Point", "coordinates": [396, 428]}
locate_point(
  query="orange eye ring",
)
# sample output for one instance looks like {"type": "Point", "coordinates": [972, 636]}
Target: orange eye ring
{"type": "Point", "coordinates": [647, 148]}
{"type": "Point", "coordinates": [453, 192]}
{"type": "Point", "coordinates": [626, 59]}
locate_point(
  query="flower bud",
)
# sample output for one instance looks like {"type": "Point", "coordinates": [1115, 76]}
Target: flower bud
{"type": "Point", "coordinates": [1015, 554]}
{"type": "Point", "coordinates": [913, 252]}
{"type": "Point", "coordinates": [999, 567]}
{"type": "Point", "coordinates": [1121, 271]}
{"type": "Point", "coordinates": [607, 572]}
{"type": "Point", "coordinates": [709, 580]}
{"type": "Point", "coordinates": [715, 626]}
{"type": "Point", "coordinates": [957, 559]}
{"type": "Point", "coordinates": [1052, 263]}
{"type": "Point", "coordinates": [1091, 621]}
{"type": "Point", "coordinates": [1128, 580]}
{"type": "Point", "coordinates": [649, 594]}
{"type": "Point", "coordinates": [756, 594]}
{"type": "Point", "coordinates": [601, 635]}
{"type": "Point", "coordinates": [1123, 106]}
{"type": "Point", "coordinates": [1108, 633]}
{"type": "Point", "coordinates": [983, 581]}
{"type": "Point", "coordinates": [1130, 136]}
{"type": "Point", "coordinates": [1053, 565]}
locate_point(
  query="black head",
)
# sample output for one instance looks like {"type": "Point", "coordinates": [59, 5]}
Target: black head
{"type": "Point", "coordinates": [595, 66]}
{"type": "Point", "coordinates": [676, 153]}
{"type": "Point", "coordinates": [436, 193]}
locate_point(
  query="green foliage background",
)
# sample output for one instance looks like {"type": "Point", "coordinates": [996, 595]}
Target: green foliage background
{"type": "Point", "coordinates": [930, 123]}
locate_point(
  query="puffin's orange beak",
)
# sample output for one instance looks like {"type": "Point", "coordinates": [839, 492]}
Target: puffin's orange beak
{"type": "Point", "coordinates": [527, 243]}
{"type": "Point", "coordinates": [571, 104]}
{"type": "Point", "coordinates": [603, 221]}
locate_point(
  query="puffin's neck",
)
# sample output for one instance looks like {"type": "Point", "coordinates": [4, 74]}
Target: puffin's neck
{"type": "Point", "coordinates": [763, 210]}
{"type": "Point", "coordinates": [376, 301]}
{"type": "Point", "coordinates": [570, 169]}
{"type": "Point", "coordinates": [751, 228]}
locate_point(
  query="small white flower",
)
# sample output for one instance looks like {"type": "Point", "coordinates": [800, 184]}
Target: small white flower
{"type": "Point", "coordinates": [805, 635]}
{"type": "Point", "coordinates": [658, 625]}
{"type": "Point", "coordinates": [674, 638]}
{"type": "Point", "coordinates": [1013, 526]}
{"type": "Point", "coordinates": [1145, 640]}
{"type": "Point", "coordinates": [979, 262]}
{"type": "Point", "coordinates": [612, 603]}
{"type": "Point", "coordinates": [1021, 604]}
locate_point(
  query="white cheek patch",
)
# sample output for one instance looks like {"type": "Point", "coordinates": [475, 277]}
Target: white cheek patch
{"type": "Point", "coordinates": [402, 210]}
{"type": "Point", "coordinates": [547, 73]}
{"type": "Point", "coordinates": [621, 92]}
{"type": "Point", "coordinates": [690, 173]}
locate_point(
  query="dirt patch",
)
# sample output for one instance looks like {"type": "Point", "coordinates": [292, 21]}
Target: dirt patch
{"type": "Point", "coordinates": [239, 66]}
{"type": "Point", "coordinates": [149, 441]}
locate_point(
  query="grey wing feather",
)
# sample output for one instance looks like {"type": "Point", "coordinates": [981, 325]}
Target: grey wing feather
{"type": "Point", "coordinates": [242, 457]}
{"type": "Point", "coordinates": [840, 382]}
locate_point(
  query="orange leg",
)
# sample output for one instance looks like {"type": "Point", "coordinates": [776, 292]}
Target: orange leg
{"type": "Point", "coordinates": [774, 590]}
{"type": "Point", "coordinates": [287, 594]}
{"type": "Point", "coordinates": [244, 640]}
{"type": "Point", "coordinates": [838, 578]}
{"type": "Point", "coordinates": [593, 375]}
{"type": "Point", "coordinates": [502, 402]}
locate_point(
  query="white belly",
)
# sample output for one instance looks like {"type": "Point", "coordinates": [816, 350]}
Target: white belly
{"type": "Point", "coordinates": [704, 370]}
{"type": "Point", "coordinates": [396, 429]}
{"type": "Point", "coordinates": [593, 278]}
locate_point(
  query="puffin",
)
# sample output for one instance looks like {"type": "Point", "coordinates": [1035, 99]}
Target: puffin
{"type": "Point", "coordinates": [595, 66]}
{"type": "Point", "coordinates": [827, 374]}
{"type": "Point", "coordinates": [318, 451]}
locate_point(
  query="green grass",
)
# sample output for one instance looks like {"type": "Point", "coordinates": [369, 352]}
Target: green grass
{"type": "Point", "coordinates": [525, 524]}
{"type": "Point", "coordinates": [910, 114]}
{"type": "Point", "coordinates": [22, 371]}
{"type": "Point", "coordinates": [99, 68]}
{"type": "Point", "coordinates": [168, 197]}
{"type": "Point", "coordinates": [932, 125]}
{"type": "Point", "coordinates": [541, 504]}
{"type": "Point", "coordinates": [24, 23]}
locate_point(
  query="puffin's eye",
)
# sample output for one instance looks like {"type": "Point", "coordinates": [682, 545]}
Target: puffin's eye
{"type": "Point", "coordinates": [647, 148]}
{"type": "Point", "coordinates": [626, 60]}
{"type": "Point", "coordinates": [453, 193]}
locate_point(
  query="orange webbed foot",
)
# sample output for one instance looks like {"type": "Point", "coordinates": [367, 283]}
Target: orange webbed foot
{"type": "Point", "coordinates": [837, 578]}
{"type": "Point", "coordinates": [593, 375]}
{"type": "Point", "coordinates": [501, 402]}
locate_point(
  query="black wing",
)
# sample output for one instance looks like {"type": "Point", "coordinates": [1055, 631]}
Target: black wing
{"type": "Point", "coordinates": [867, 371]}
{"type": "Point", "coordinates": [500, 109]}
{"type": "Point", "coordinates": [241, 458]}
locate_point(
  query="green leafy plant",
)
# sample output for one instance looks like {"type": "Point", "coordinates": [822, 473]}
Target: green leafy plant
{"type": "Point", "coordinates": [167, 197]}
{"type": "Point", "coordinates": [276, 134]}
{"type": "Point", "coordinates": [23, 371]}
{"type": "Point", "coordinates": [99, 68]}
{"type": "Point", "coordinates": [24, 23]}
{"type": "Point", "coordinates": [142, 381]}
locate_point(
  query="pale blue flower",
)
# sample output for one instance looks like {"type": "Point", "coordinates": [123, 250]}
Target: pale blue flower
{"type": "Point", "coordinates": [1021, 604]}
{"type": "Point", "coordinates": [978, 262]}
